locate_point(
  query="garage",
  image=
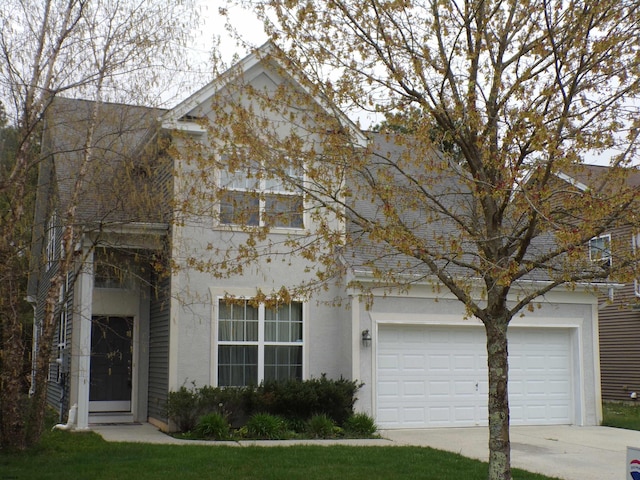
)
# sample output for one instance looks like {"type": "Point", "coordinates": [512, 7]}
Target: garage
{"type": "Point", "coordinates": [436, 376]}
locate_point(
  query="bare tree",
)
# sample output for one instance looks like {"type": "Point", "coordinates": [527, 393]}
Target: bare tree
{"type": "Point", "coordinates": [519, 91]}
{"type": "Point", "coordinates": [120, 50]}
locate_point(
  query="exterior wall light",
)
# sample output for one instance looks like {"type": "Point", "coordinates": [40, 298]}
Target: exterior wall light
{"type": "Point", "coordinates": [366, 338]}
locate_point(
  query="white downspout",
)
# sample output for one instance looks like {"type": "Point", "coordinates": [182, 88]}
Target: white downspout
{"type": "Point", "coordinates": [71, 420]}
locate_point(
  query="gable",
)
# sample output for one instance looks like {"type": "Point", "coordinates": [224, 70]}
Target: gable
{"type": "Point", "coordinates": [263, 74]}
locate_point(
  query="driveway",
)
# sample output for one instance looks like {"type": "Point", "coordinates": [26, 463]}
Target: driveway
{"type": "Point", "coordinates": [567, 452]}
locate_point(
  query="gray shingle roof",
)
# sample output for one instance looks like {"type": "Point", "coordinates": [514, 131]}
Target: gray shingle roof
{"type": "Point", "coordinates": [117, 168]}
{"type": "Point", "coordinates": [435, 203]}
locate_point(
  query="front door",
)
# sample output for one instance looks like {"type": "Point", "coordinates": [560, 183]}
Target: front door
{"type": "Point", "coordinates": [111, 364]}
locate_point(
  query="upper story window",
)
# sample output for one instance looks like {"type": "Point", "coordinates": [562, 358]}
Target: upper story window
{"type": "Point", "coordinates": [254, 201]}
{"type": "Point", "coordinates": [257, 342]}
{"type": "Point", "coordinates": [600, 249]}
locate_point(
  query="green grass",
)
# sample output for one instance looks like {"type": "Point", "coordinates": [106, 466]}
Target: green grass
{"type": "Point", "coordinates": [621, 415]}
{"type": "Point", "coordinates": [78, 456]}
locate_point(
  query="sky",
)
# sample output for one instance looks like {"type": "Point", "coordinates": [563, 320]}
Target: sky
{"type": "Point", "coordinates": [252, 31]}
{"type": "Point", "coordinates": [213, 24]}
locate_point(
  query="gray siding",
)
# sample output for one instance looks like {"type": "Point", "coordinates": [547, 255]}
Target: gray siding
{"type": "Point", "coordinates": [619, 329]}
{"type": "Point", "coordinates": [620, 347]}
{"type": "Point", "coordinates": [159, 325]}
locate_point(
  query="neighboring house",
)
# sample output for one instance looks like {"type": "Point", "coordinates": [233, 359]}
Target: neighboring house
{"type": "Point", "coordinates": [619, 315]}
{"type": "Point", "coordinates": [126, 340]}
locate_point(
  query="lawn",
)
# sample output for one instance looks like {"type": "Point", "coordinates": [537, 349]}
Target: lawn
{"type": "Point", "coordinates": [65, 455]}
{"type": "Point", "coordinates": [621, 415]}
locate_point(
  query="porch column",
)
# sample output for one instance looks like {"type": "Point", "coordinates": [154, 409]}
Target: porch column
{"type": "Point", "coordinates": [85, 278]}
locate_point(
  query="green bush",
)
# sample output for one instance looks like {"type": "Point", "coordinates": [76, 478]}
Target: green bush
{"type": "Point", "coordinates": [213, 426]}
{"type": "Point", "coordinates": [236, 404]}
{"type": "Point", "coordinates": [293, 400]}
{"type": "Point", "coordinates": [182, 408]}
{"type": "Point", "coordinates": [302, 400]}
{"type": "Point", "coordinates": [266, 426]}
{"type": "Point", "coordinates": [321, 426]}
{"type": "Point", "coordinates": [360, 425]}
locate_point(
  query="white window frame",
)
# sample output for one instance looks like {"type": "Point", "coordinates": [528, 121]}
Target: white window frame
{"type": "Point", "coordinates": [50, 248]}
{"type": "Point", "coordinates": [605, 252]}
{"type": "Point", "coordinates": [55, 374]}
{"type": "Point", "coordinates": [261, 343]}
{"type": "Point", "coordinates": [245, 181]}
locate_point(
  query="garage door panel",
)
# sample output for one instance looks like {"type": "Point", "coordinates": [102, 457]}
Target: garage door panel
{"type": "Point", "coordinates": [464, 363]}
{"type": "Point", "coordinates": [414, 388]}
{"type": "Point", "coordinates": [465, 388]}
{"type": "Point", "coordinates": [560, 387]}
{"type": "Point", "coordinates": [439, 376]}
{"type": "Point", "coordinates": [438, 389]}
{"type": "Point", "coordinates": [388, 388]}
{"type": "Point", "coordinates": [388, 361]}
{"type": "Point", "coordinates": [439, 362]}
{"type": "Point", "coordinates": [414, 362]}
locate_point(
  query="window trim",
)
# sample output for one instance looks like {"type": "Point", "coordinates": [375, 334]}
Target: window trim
{"type": "Point", "coordinates": [51, 234]}
{"type": "Point", "coordinates": [263, 188]}
{"type": "Point", "coordinates": [603, 258]}
{"type": "Point", "coordinates": [261, 343]}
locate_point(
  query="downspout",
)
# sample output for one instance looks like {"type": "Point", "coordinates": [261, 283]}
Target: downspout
{"type": "Point", "coordinates": [71, 420]}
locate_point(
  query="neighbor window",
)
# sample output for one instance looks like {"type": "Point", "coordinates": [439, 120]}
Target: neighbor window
{"type": "Point", "coordinates": [56, 369]}
{"type": "Point", "coordinates": [258, 342]}
{"type": "Point", "coordinates": [600, 249]}
{"type": "Point", "coordinates": [247, 200]}
{"type": "Point", "coordinates": [50, 247]}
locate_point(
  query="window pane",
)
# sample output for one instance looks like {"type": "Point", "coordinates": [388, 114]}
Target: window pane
{"type": "Point", "coordinates": [284, 211]}
{"type": "Point", "coordinates": [284, 323]}
{"type": "Point", "coordinates": [270, 331]}
{"type": "Point", "coordinates": [600, 248]}
{"type": "Point", "coordinates": [237, 365]}
{"type": "Point", "coordinates": [239, 208]}
{"type": "Point", "coordinates": [293, 176]}
{"type": "Point", "coordinates": [224, 330]}
{"type": "Point", "coordinates": [287, 364]}
{"type": "Point", "coordinates": [242, 179]}
{"type": "Point", "coordinates": [237, 321]}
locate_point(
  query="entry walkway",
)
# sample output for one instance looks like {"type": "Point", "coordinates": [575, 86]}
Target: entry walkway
{"type": "Point", "coordinates": [566, 452]}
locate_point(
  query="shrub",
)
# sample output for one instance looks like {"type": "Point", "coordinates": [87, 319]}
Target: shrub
{"type": "Point", "coordinates": [360, 425]}
{"type": "Point", "coordinates": [213, 426]}
{"type": "Point", "coordinates": [302, 400]}
{"type": "Point", "coordinates": [265, 426]}
{"type": "Point", "coordinates": [182, 408]}
{"type": "Point", "coordinates": [321, 426]}
{"type": "Point", "coordinates": [294, 400]}
{"type": "Point", "coordinates": [296, 425]}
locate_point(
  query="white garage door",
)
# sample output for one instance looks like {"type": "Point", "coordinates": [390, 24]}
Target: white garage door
{"type": "Point", "coordinates": [430, 376]}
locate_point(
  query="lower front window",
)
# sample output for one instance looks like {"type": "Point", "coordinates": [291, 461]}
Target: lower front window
{"type": "Point", "coordinates": [258, 343]}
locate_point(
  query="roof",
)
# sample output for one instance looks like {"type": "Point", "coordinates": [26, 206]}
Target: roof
{"type": "Point", "coordinates": [117, 167]}
{"type": "Point", "coordinates": [434, 215]}
{"type": "Point", "coordinates": [586, 176]}
{"type": "Point", "coordinates": [266, 57]}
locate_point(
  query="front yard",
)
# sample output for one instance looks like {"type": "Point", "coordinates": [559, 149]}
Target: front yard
{"type": "Point", "coordinates": [65, 455]}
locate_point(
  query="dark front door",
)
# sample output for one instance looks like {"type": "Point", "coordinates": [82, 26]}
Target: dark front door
{"type": "Point", "coordinates": [111, 364]}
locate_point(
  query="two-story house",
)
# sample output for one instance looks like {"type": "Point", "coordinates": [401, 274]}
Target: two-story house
{"type": "Point", "coordinates": [619, 312]}
{"type": "Point", "coordinates": [145, 314]}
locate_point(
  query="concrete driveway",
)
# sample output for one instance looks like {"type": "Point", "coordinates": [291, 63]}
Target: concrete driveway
{"type": "Point", "coordinates": [567, 452]}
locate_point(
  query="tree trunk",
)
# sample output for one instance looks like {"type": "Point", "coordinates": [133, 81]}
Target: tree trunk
{"type": "Point", "coordinates": [43, 359]}
{"type": "Point", "coordinates": [12, 393]}
{"type": "Point", "coordinates": [497, 362]}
